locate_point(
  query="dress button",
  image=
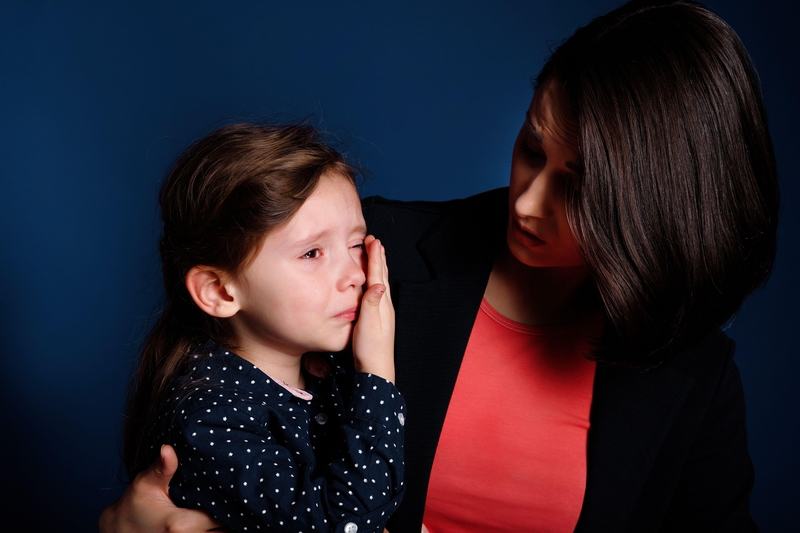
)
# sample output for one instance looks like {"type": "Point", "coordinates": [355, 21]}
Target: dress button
{"type": "Point", "coordinates": [402, 418]}
{"type": "Point", "coordinates": [350, 527]}
{"type": "Point", "coordinates": [321, 418]}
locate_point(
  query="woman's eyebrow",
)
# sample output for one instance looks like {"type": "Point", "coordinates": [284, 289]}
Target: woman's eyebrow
{"type": "Point", "coordinates": [531, 129]}
{"type": "Point", "coordinates": [575, 167]}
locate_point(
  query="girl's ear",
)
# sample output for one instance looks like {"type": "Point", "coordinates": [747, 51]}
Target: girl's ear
{"type": "Point", "coordinates": [211, 293]}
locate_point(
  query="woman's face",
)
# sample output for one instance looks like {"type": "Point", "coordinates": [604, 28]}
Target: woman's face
{"type": "Point", "coordinates": [545, 162]}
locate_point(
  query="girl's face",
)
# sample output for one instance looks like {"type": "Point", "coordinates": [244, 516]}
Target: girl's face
{"type": "Point", "coordinates": [302, 291]}
{"type": "Point", "coordinates": [545, 162]}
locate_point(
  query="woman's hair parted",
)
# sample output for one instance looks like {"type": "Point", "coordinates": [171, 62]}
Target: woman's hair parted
{"type": "Point", "coordinates": [226, 192]}
{"type": "Point", "coordinates": [676, 211]}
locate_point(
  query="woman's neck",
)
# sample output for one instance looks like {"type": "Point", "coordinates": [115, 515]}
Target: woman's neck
{"type": "Point", "coordinates": [539, 296]}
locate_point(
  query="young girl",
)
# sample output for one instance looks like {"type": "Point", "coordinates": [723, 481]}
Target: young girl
{"type": "Point", "coordinates": [263, 258]}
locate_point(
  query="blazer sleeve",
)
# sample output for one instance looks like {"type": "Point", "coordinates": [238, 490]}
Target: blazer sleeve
{"type": "Point", "coordinates": [713, 490]}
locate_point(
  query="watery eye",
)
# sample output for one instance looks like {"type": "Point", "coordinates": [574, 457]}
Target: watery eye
{"type": "Point", "coordinates": [312, 254]}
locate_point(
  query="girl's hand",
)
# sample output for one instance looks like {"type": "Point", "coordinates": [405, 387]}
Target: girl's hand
{"type": "Point", "coordinates": [145, 507]}
{"type": "Point", "coordinates": [373, 335]}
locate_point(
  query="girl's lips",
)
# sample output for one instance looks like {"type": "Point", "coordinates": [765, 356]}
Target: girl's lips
{"type": "Point", "coordinates": [524, 237]}
{"type": "Point", "coordinates": [348, 315]}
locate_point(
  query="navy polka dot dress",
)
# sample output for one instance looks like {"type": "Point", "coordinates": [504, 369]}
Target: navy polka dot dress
{"type": "Point", "coordinates": [259, 456]}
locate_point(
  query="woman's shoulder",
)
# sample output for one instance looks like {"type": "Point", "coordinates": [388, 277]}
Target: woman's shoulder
{"type": "Point", "coordinates": [417, 233]}
{"type": "Point", "coordinates": [700, 370]}
{"type": "Point", "coordinates": [378, 206]}
{"type": "Point", "coordinates": [712, 354]}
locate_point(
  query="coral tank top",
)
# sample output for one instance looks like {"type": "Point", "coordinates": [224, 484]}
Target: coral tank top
{"type": "Point", "coordinates": [512, 453]}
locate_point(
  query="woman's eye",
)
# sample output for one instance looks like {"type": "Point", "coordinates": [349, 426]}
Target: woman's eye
{"type": "Point", "coordinates": [312, 254]}
{"type": "Point", "coordinates": [530, 152]}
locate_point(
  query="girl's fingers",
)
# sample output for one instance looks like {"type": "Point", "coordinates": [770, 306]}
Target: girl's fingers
{"type": "Point", "coordinates": [373, 295]}
{"type": "Point", "coordinates": [375, 264]}
{"type": "Point", "coordinates": [373, 334]}
{"type": "Point", "coordinates": [385, 266]}
{"type": "Point", "coordinates": [377, 269]}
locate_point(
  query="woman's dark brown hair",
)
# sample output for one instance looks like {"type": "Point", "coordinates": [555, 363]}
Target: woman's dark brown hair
{"type": "Point", "coordinates": [226, 192]}
{"type": "Point", "coordinates": [677, 208]}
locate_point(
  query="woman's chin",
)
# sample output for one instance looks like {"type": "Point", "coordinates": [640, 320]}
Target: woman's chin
{"type": "Point", "coordinates": [540, 257]}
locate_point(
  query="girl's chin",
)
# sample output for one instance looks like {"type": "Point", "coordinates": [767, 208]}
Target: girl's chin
{"type": "Point", "coordinates": [337, 345]}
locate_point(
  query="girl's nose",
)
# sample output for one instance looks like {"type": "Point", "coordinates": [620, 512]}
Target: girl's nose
{"type": "Point", "coordinates": [352, 273]}
{"type": "Point", "coordinates": [541, 197]}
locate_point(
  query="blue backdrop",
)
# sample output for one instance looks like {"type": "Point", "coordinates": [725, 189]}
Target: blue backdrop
{"type": "Point", "coordinates": [97, 99]}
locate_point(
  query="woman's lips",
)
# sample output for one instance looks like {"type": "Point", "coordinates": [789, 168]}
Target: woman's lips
{"type": "Point", "coordinates": [524, 237]}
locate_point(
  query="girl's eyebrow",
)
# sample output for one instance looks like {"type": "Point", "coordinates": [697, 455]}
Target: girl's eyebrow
{"type": "Point", "coordinates": [309, 239]}
{"type": "Point", "coordinates": [291, 245]}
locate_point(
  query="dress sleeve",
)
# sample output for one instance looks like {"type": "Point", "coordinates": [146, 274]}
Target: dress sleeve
{"type": "Point", "coordinates": [713, 491]}
{"type": "Point", "coordinates": [237, 466]}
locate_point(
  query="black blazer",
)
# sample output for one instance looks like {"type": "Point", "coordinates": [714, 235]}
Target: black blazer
{"type": "Point", "coordinates": [667, 448]}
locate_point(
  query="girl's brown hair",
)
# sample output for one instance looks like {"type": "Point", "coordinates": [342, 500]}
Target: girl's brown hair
{"type": "Point", "coordinates": [226, 192]}
{"type": "Point", "coordinates": [677, 208]}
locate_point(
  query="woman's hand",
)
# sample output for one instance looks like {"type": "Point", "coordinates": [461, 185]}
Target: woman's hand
{"type": "Point", "coordinates": [373, 335]}
{"type": "Point", "coordinates": [145, 507]}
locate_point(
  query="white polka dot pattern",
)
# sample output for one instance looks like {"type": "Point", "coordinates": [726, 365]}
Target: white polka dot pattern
{"type": "Point", "coordinates": [257, 457]}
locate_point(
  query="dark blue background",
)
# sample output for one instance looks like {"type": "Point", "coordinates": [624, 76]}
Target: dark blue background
{"type": "Point", "coordinates": [97, 98]}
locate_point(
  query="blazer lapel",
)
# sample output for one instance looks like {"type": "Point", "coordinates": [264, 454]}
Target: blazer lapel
{"type": "Point", "coordinates": [429, 349]}
{"type": "Point", "coordinates": [434, 322]}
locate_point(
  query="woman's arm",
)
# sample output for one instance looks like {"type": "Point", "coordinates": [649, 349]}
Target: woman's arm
{"type": "Point", "coordinates": [713, 492]}
{"type": "Point", "coordinates": [146, 506]}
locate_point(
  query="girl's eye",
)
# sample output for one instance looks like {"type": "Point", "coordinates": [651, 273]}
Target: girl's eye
{"type": "Point", "coordinates": [359, 245]}
{"type": "Point", "coordinates": [312, 254]}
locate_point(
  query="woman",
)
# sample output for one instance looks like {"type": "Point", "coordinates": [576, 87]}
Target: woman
{"type": "Point", "coordinates": [642, 210]}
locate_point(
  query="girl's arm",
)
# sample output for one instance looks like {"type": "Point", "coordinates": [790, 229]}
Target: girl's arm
{"type": "Point", "coordinates": [372, 454]}
{"type": "Point", "coordinates": [253, 465]}
{"type": "Point", "coordinates": [146, 506]}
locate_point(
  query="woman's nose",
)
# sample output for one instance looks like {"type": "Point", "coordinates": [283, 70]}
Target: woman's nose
{"type": "Point", "coordinates": [542, 196]}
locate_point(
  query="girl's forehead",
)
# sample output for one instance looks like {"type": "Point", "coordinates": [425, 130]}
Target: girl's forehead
{"type": "Point", "coordinates": [336, 188]}
{"type": "Point", "coordinates": [334, 204]}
